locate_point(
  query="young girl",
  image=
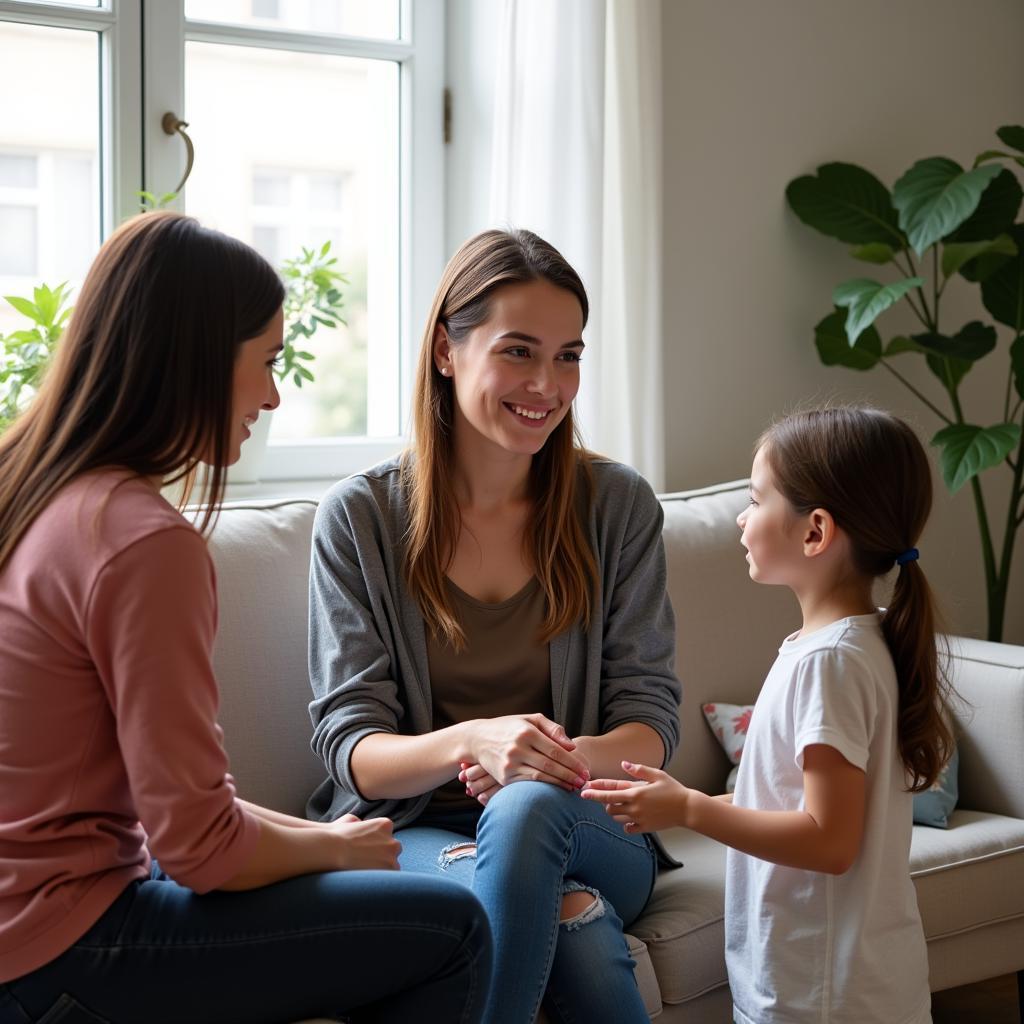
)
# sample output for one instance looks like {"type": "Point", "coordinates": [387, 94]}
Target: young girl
{"type": "Point", "coordinates": [489, 627]}
{"type": "Point", "coordinates": [110, 753]}
{"type": "Point", "coordinates": [821, 915]}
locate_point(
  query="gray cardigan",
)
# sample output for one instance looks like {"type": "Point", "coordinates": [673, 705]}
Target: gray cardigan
{"type": "Point", "coordinates": [368, 651]}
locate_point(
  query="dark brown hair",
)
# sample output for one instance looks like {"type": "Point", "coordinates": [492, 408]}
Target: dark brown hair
{"type": "Point", "coordinates": [556, 543]}
{"type": "Point", "coordinates": [868, 470]}
{"type": "Point", "coordinates": [142, 378]}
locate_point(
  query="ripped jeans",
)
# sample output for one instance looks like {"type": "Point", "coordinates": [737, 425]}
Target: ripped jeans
{"type": "Point", "coordinates": [535, 842]}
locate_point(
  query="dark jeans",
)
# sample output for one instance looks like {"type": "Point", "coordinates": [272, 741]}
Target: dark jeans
{"type": "Point", "coordinates": [363, 945]}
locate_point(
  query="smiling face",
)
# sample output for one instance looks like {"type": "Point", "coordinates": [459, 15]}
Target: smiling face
{"type": "Point", "coordinates": [254, 386]}
{"type": "Point", "coordinates": [773, 533]}
{"type": "Point", "coordinates": [516, 374]}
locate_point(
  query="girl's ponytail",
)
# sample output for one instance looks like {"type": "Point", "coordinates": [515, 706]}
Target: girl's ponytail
{"type": "Point", "coordinates": [925, 738]}
{"type": "Point", "coordinates": [868, 469]}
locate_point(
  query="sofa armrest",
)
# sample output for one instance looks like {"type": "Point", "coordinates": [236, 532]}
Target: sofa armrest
{"type": "Point", "coordinates": [989, 681]}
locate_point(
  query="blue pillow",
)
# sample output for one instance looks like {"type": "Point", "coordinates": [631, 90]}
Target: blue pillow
{"type": "Point", "coordinates": [935, 805]}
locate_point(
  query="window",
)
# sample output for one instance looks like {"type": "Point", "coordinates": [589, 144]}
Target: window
{"type": "Point", "coordinates": [50, 188]}
{"type": "Point", "coordinates": [306, 117]}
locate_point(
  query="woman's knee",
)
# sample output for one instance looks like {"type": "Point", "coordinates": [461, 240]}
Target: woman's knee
{"type": "Point", "coordinates": [525, 799]}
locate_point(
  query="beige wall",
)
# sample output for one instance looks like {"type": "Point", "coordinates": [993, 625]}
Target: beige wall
{"type": "Point", "coordinates": [757, 93]}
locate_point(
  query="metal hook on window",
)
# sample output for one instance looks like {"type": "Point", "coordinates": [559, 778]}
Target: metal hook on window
{"type": "Point", "coordinates": [172, 124]}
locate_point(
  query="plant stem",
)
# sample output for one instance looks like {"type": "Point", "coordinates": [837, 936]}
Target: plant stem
{"type": "Point", "coordinates": [996, 592]}
{"type": "Point", "coordinates": [909, 271]}
{"type": "Point", "coordinates": [997, 599]}
{"type": "Point", "coordinates": [906, 383]}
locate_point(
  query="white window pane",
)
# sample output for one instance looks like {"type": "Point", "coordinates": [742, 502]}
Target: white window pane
{"type": "Point", "coordinates": [49, 159]}
{"type": "Point", "coordinates": [19, 171]}
{"type": "Point", "coordinates": [325, 192]}
{"type": "Point", "coordinates": [19, 240]}
{"type": "Point", "coordinates": [267, 241]}
{"type": "Point", "coordinates": [271, 188]}
{"type": "Point", "coordinates": [377, 19]}
{"type": "Point", "coordinates": [248, 110]}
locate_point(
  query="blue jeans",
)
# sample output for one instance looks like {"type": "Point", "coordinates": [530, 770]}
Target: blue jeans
{"type": "Point", "coordinates": [366, 945]}
{"type": "Point", "coordinates": [535, 842]}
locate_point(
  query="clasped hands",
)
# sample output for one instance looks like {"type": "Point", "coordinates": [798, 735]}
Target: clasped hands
{"type": "Point", "coordinates": [516, 748]}
{"type": "Point", "coordinates": [522, 748]}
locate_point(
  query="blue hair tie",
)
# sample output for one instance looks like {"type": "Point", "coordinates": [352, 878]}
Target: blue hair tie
{"type": "Point", "coordinates": [910, 555]}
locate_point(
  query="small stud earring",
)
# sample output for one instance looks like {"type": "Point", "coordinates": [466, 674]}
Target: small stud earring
{"type": "Point", "coordinates": [445, 371]}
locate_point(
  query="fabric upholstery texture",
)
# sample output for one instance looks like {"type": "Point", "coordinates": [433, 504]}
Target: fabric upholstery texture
{"type": "Point", "coordinates": [969, 877]}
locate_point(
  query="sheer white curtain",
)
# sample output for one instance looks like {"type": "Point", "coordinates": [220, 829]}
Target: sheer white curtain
{"type": "Point", "coordinates": [577, 158]}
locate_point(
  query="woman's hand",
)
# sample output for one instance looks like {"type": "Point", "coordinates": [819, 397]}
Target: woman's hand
{"type": "Point", "coordinates": [479, 784]}
{"type": "Point", "coordinates": [527, 748]}
{"type": "Point", "coordinates": [365, 845]}
{"type": "Point", "coordinates": [653, 802]}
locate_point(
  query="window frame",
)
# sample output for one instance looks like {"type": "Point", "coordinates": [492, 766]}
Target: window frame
{"type": "Point", "coordinates": [419, 53]}
{"type": "Point", "coordinates": [118, 25]}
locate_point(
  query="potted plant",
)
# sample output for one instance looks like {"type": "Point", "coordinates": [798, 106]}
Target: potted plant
{"type": "Point", "coordinates": [938, 220]}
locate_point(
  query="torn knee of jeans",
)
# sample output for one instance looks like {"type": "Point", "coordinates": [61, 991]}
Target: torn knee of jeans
{"type": "Point", "coordinates": [593, 912]}
{"type": "Point", "coordinates": [454, 852]}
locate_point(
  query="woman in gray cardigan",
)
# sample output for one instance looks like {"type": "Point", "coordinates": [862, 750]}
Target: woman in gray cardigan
{"type": "Point", "coordinates": [489, 629]}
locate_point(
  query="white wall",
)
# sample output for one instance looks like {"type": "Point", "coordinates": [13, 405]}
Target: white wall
{"type": "Point", "coordinates": [755, 94]}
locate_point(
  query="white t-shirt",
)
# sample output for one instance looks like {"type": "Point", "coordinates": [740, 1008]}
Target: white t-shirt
{"type": "Point", "coordinates": [804, 946]}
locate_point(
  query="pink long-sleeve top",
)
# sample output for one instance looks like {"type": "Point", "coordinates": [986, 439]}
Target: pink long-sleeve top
{"type": "Point", "coordinates": [109, 746]}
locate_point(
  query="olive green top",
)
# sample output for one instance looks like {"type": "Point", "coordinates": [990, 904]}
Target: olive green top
{"type": "Point", "coordinates": [504, 669]}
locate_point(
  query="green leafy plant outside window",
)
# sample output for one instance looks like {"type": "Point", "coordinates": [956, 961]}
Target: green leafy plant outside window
{"type": "Point", "coordinates": [938, 221]}
{"type": "Point", "coordinates": [24, 354]}
{"type": "Point", "coordinates": [313, 299]}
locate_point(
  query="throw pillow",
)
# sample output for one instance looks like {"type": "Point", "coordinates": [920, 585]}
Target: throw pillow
{"type": "Point", "coordinates": [934, 806]}
{"type": "Point", "coordinates": [729, 723]}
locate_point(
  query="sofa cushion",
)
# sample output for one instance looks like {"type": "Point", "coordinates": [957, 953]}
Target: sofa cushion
{"type": "Point", "coordinates": [261, 555]}
{"type": "Point", "coordinates": [682, 926]}
{"type": "Point", "coordinates": [969, 874]}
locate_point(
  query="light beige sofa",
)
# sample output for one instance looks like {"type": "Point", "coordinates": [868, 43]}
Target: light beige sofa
{"type": "Point", "coordinates": [970, 878]}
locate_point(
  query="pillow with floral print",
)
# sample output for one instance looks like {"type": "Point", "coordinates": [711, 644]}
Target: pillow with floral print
{"type": "Point", "coordinates": [729, 723]}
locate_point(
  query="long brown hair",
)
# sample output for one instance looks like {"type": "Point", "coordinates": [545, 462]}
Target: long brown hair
{"type": "Point", "coordinates": [142, 378]}
{"type": "Point", "coordinates": [560, 484]}
{"type": "Point", "coordinates": [867, 468]}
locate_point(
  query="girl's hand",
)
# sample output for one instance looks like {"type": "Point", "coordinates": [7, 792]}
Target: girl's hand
{"type": "Point", "coordinates": [365, 845]}
{"type": "Point", "coordinates": [479, 784]}
{"type": "Point", "coordinates": [527, 748]}
{"type": "Point", "coordinates": [656, 801]}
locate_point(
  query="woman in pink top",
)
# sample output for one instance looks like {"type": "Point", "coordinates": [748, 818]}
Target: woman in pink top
{"type": "Point", "coordinates": [110, 754]}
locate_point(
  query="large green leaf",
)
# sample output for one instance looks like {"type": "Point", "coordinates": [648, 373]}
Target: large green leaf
{"type": "Point", "coordinates": [996, 210]}
{"type": "Point", "coordinates": [949, 370]}
{"type": "Point", "coordinates": [1002, 291]}
{"type": "Point", "coordinates": [24, 306]}
{"type": "Point", "coordinates": [956, 254]}
{"type": "Point", "coordinates": [900, 344]}
{"type": "Point", "coordinates": [834, 347]}
{"type": "Point", "coordinates": [968, 450]}
{"type": "Point", "coordinates": [936, 196]}
{"type": "Point", "coordinates": [1012, 135]}
{"type": "Point", "coordinates": [846, 202]}
{"type": "Point", "coordinates": [867, 300]}
{"type": "Point", "coordinates": [873, 252]}
{"type": "Point", "coordinates": [972, 342]}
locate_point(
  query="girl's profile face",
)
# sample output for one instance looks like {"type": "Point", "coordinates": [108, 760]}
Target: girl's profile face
{"type": "Point", "coordinates": [254, 387]}
{"type": "Point", "coordinates": [515, 375]}
{"type": "Point", "coordinates": [771, 529]}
